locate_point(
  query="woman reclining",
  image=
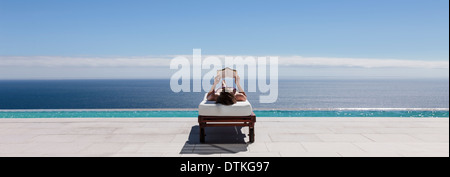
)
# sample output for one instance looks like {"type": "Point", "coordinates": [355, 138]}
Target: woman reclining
{"type": "Point", "coordinates": [226, 95]}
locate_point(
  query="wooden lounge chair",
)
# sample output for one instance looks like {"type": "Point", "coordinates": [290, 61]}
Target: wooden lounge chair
{"type": "Point", "coordinates": [218, 115]}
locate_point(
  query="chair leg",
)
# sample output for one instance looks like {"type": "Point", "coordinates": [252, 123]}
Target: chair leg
{"type": "Point", "coordinates": [252, 134]}
{"type": "Point", "coordinates": [202, 134]}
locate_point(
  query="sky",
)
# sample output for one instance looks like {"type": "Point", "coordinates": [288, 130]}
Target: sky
{"type": "Point", "coordinates": [345, 38]}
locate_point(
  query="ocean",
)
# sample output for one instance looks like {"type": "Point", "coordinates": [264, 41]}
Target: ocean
{"type": "Point", "coordinates": [293, 94]}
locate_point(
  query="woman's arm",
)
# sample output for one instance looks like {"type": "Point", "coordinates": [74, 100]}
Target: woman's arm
{"type": "Point", "coordinates": [240, 96]}
{"type": "Point", "coordinates": [212, 92]}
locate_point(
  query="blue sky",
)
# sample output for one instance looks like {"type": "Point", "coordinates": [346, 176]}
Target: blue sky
{"type": "Point", "coordinates": [377, 29]}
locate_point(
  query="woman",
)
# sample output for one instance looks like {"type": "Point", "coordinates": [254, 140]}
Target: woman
{"type": "Point", "coordinates": [225, 95]}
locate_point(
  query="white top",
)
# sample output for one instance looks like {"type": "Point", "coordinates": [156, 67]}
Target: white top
{"type": "Point", "coordinates": [210, 108]}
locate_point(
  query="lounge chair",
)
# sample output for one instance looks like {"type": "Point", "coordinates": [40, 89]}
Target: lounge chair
{"type": "Point", "coordinates": [211, 114]}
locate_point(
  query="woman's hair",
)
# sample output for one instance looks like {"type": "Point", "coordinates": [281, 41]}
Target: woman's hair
{"type": "Point", "coordinates": [226, 98]}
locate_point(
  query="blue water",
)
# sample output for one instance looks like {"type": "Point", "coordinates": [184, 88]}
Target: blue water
{"type": "Point", "coordinates": [258, 113]}
{"type": "Point", "coordinates": [112, 94]}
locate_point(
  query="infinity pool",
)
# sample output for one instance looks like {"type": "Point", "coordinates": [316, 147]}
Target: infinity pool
{"type": "Point", "coordinates": [194, 113]}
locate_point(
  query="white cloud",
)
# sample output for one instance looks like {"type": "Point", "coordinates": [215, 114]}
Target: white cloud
{"type": "Point", "coordinates": [53, 61]}
{"type": "Point", "coordinates": [361, 62]}
{"type": "Point", "coordinates": [53, 67]}
{"type": "Point", "coordinates": [164, 61]}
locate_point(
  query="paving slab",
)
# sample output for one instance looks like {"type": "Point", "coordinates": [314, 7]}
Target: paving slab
{"type": "Point", "coordinates": [178, 137]}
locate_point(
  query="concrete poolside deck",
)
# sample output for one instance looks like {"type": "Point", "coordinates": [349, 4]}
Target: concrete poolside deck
{"type": "Point", "coordinates": [178, 137]}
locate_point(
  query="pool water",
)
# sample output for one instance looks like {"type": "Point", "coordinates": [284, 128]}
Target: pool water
{"type": "Point", "coordinates": [193, 113]}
